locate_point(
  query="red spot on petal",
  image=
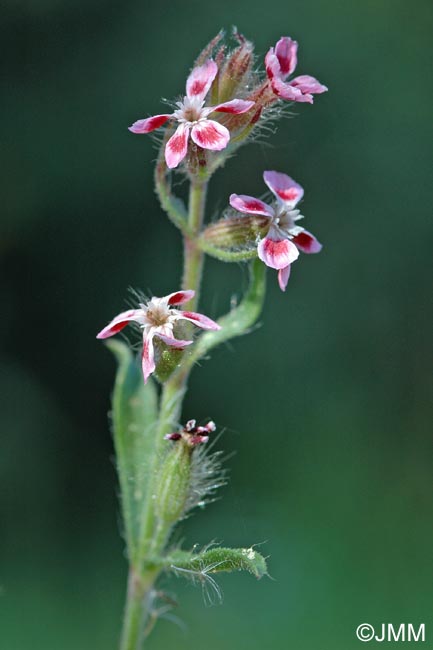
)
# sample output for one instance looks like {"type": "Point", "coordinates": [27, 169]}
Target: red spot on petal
{"type": "Point", "coordinates": [276, 247]}
{"type": "Point", "coordinates": [253, 206]}
{"type": "Point", "coordinates": [197, 87]}
{"type": "Point", "coordinates": [290, 194]}
{"type": "Point", "coordinates": [156, 122]}
{"type": "Point", "coordinates": [208, 136]}
{"type": "Point", "coordinates": [177, 143]}
{"type": "Point", "coordinates": [118, 326]}
{"type": "Point", "coordinates": [304, 240]}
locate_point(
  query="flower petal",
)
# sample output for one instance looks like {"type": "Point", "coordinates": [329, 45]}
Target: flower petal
{"type": "Point", "coordinates": [307, 84]}
{"type": "Point", "coordinates": [250, 205]}
{"type": "Point", "coordinates": [177, 146]}
{"type": "Point", "coordinates": [283, 277]}
{"type": "Point", "coordinates": [284, 187]}
{"type": "Point", "coordinates": [147, 357]}
{"type": "Point", "coordinates": [235, 106]}
{"type": "Point", "coordinates": [272, 65]}
{"type": "Point", "coordinates": [172, 342]}
{"type": "Point", "coordinates": [119, 322]}
{"type": "Point", "coordinates": [179, 297]}
{"type": "Point", "coordinates": [200, 80]}
{"type": "Point", "coordinates": [307, 243]}
{"type": "Point", "coordinates": [200, 320]}
{"type": "Point", "coordinates": [286, 53]}
{"type": "Point", "coordinates": [277, 253]}
{"type": "Point", "coordinates": [210, 135]}
{"type": "Point", "coordinates": [149, 124]}
{"type": "Point", "coordinates": [288, 92]}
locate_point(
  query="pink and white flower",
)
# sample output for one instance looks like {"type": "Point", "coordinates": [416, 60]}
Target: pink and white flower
{"type": "Point", "coordinates": [193, 117]}
{"type": "Point", "coordinates": [280, 63]}
{"type": "Point", "coordinates": [284, 239]}
{"type": "Point", "coordinates": [157, 318]}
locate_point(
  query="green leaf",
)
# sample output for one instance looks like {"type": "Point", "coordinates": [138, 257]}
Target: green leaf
{"type": "Point", "coordinates": [217, 560]}
{"type": "Point", "coordinates": [134, 420]}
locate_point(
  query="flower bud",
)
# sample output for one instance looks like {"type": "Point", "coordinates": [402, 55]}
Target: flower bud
{"type": "Point", "coordinates": [179, 482]}
{"type": "Point", "coordinates": [208, 50]}
{"type": "Point", "coordinates": [235, 232]}
{"type": "Point", "coordinates": [234, 74]}
{"type": "Point", "coordinates": [173, 485]}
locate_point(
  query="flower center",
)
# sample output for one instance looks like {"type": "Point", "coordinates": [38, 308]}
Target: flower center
{"type": "Point", "coordinates": [190, 110]}
{"type": "Point", "coordinates": [284, 220]}
{"type": "Point", "coordinates": [157, 315]}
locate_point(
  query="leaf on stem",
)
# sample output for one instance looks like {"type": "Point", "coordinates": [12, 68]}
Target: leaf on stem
{"type": "Point", "coordinates": [217, 560]}
{"type": "Point", "coordinates": [134, 418]}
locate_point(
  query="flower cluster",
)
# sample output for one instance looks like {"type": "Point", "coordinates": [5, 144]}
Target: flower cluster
{"type": "Point", "coordinates": [157, 318]}
{"type": "Point", "coordinates": [285, 238]}
{"type": "Point", "coordinates": [221, 78]}
{"type": "Point", "coordinates": [225, 98]}
{"type": "Point", "coordinates": [193, 434]}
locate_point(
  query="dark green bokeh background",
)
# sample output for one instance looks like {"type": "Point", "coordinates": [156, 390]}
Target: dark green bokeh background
{"type": "Point", "coordinates": [326, 404]}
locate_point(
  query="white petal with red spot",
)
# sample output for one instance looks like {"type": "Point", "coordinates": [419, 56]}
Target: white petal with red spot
{"type": "Point", "coordinates": [200, 320]}
{"type": "Point", "coordinates": [120, 321]}
{"type": "Point", "coordinates": [179, 297]}
{"type": "Point", "coordinates": [288, 92]}
{"type": "Point", "coordinates": [277, 253]}
{"type": "Point", "coordinates": [177, 146]}
{"type": "Point", "coordinates": [149, 124]}
{"type": "Point", "coordinates": [286, 53]}
{"type": "Point", "coordinates": [284, 187]}
{"type": "Point", "coordinates": [307, 243]}
{"type": "Point", "coordinates": [200, 80]}
{"type": "Point", "coordinates": [250, 205]}
{"type": "Point", "coordinates": [307, 84]}
{"type": "Point", "coordinates": [235, 106]}
{"type": "Point", "coordinates": [273, 68]}
{"type": "Point", "coordinates": [209, 134]}
{"type": "Point", "coordinates": [147, 357]}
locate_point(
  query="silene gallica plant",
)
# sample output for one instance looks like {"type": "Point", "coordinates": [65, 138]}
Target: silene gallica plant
{"type": "Point", "coordinates": [166, 469]}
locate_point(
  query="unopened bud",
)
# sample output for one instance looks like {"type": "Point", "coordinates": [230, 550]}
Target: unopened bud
{"type": "Point", "coordinates": [209, 49]}
{"type": "Point", "coordinates": [175, 482]}
{"type": "Point", "coordinates": [173, 485]}
{"type": "Point", "coordinates": [235, 232]}
{"type": "Point", "coordinates": [235, 73]}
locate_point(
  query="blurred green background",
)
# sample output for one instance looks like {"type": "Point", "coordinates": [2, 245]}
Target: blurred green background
{"type": "Point", "coordinates": [326, 405]}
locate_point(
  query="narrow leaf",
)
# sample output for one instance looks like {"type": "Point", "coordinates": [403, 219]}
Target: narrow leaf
{"type": "Point", "coordinates": [217, 560]}
{"type": "Point", "coordinates": [134, 418]}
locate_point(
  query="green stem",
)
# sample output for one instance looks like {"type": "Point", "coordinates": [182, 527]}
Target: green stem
{"type": "Point", "coordinates": [193, 254]}
{"type": "Point", "coordinates": [152, 536]}
{"type": "Point", "coordinates": [138, 608]}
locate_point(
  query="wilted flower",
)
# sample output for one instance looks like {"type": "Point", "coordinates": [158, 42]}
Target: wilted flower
{"type": "Point", "coordinates": [192, 434]}
{"type": "Point", "coordinates": [279, 248]}
{"type": "Point", "coordinates": [157, 318]}
{"type": "Point", "coordinates": [192, 116]}
{"type": "Point", "coordinates": [281, 62]}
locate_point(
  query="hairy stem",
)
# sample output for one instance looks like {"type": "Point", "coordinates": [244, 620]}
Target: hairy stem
{"type": "Point", "coordinates": [153, 536]}
{"type": "Point", "coordinates": [138, 608]}
{"type": "Point", "coordinates": [193, 254]}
